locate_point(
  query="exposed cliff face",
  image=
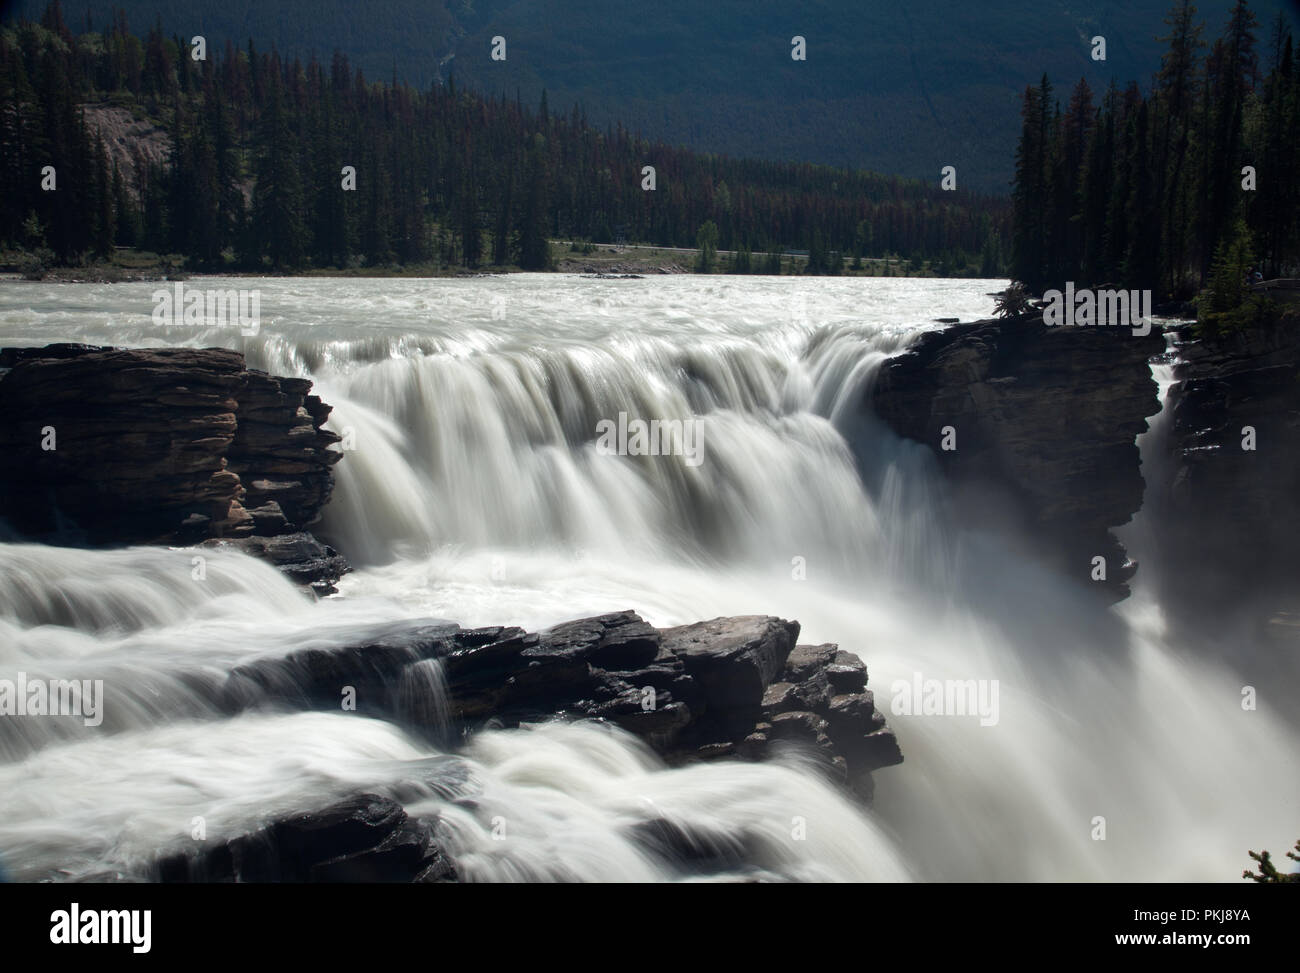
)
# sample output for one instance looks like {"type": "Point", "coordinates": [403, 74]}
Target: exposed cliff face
{"type": "Point", "coordinates": [1233, 517]}
{"type": "Point", "coordinates": [163, 445]}
{"type": "Point", "coordinates": [133, 145]}
{"type": "Point", "coordinates": [1045, 422]}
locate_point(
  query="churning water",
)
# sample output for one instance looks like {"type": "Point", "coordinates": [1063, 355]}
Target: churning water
{"type": "Point", "coordinates": [474, 489]}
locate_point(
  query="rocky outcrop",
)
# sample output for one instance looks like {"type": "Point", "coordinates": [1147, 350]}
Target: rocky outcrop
{"type": "Point", "coordinates": [727, 687]}
{"type": "Point", "coordinates": [1044, 422]}
{"type": "Point", "coordinates": [737, 688]}
{"type": "Point", "coordinates": [1232, 518]}
{"type": "Point", "coordinates": [163, 445]}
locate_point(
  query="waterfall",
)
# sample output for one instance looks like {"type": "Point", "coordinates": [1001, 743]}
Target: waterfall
{"type": "Point", "coordinates": [474, 488]}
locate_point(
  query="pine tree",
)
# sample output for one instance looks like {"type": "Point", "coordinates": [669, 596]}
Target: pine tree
{"type": "Point", "coordinates": [277, 198]}
{"type": "Point", "coordinates": [1030, 192]}
{"type": "Point", "coordinates": [534, 241]}
{"type": "Point", "coordinates": [104, 222]}
{"type": "Point", "coordinates": [1141, 267]}
{"type": "Point", "coordinates": [706, 241]}
{"type": "Point", "coordinates": [1231, 73]}
{"type": "Point", "coordinates": [471, 234]}
{"type": "Point", "coordinates": [1177, 87]}
{"type": "Point", "coordinates": [1272, 206]}
{"type": "Point", "coordinates": [126, 232]}
{"type": "Point", "coordinates": [501, 235]}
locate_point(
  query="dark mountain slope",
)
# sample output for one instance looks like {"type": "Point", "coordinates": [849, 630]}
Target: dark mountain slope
{"type": "Point", "coordinates": [895, 87]}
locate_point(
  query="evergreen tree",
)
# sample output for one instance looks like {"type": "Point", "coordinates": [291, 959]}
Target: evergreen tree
{"type": "Point", "coordinates": [1230, 76]}
{"type": "Point", "coordinates": [471, 234]}
{"type": "Point", "coordinates": [1030, 194]}
{"type": "Point", "coordinates": [1148, 189]}
{"type": "Point", "coordinates": [277, 199]}
{"type": "Point", "coordinates": [1177, 87]}
{"type": "Point", "coordinates": [706, 241]}
{"type": "Point", "coordinates": [501, 235]}
{"type": "Point", "coordinates": [534, 240]}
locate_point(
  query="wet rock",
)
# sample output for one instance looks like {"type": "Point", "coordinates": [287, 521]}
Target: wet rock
{"type": "Point", "coordinates": [692, 849]}
{"type": "Point", "coordinates": [805, 660]}
{"type": "Point", "coordinates": [1226, 515]}
{"type": "Point", "coordinates": [709, 692]}
{"type": "Point", "coordinates": [269, 519]}
{"type": "Point", "coordinates": [162, 445]}
{"type": "Point", "coordinates": [733, 660]}
{"type": "Point", "coordinates": [314, 678]}
{"type": "Point", "coordinates": [1046, 421]}
{"type": "Point", "coordinates": [847, 674]}
{"type": "Point", "coordinates": [365, 838]}
{"type": "Point", "coordinates": [300, 556]}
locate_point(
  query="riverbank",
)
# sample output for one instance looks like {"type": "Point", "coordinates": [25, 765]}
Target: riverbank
{"type": "Point", "coordinates": [566, 257]}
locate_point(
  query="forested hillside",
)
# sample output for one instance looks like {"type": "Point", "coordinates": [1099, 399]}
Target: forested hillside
{"type": "Point", "coordinates": [893, 87]}
{"type": "Point", "coordinates": [251, 152]}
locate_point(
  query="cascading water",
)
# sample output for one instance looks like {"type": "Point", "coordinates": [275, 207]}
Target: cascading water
{"type": "Point", "coordinates": [473, 489]}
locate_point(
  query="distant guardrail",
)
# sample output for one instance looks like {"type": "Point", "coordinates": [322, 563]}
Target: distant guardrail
{"type": "Point", "coordinates": [1280, 288]}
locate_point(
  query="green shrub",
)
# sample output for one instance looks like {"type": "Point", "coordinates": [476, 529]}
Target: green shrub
{"type": "Point", "coordinates": [1013, 302]}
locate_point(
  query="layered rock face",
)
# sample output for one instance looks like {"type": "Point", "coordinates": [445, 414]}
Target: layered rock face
{"type": "Point", "coordinates": [162, 445]}
{"type": "Point", "coordinates": [1233, 519]}
{"type": "Point", "coordinates": [1044, 422]}
{"type": "Point", "coordinates": [730, 687]}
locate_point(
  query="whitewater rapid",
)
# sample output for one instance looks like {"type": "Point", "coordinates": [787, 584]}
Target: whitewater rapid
{"type": "Point", "coordinates": [472, 490]}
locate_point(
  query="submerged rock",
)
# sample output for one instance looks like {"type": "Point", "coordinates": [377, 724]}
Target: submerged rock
{"type": "Point", "coordinates": [299, 555]}
{"type": "Point", "coordinates": [365, 838]}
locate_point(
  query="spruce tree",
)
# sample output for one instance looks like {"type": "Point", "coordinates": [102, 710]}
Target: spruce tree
{"type": "Point", "coordinates": [534, 241]}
